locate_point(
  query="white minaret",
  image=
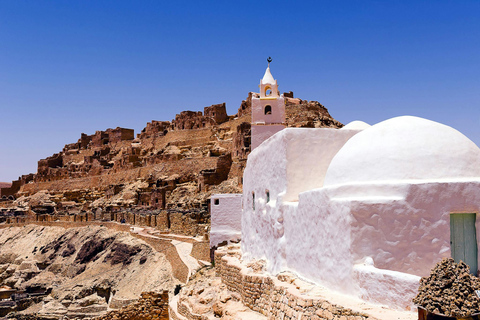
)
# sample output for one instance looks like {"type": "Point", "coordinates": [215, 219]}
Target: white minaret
{"type": "Point", "coordinates": [268, 109]}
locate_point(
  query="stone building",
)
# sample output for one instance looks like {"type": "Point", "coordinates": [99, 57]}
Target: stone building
{"type": "Point", "coordinates": [268, 110]}
{"type": "Point", "coordinates": [365, 210]}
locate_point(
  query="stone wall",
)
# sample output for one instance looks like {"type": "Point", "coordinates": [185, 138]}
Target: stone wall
{"type": "Point", "coordinates": [201, 250]}
{"type": "Point", "coordinates": [214, 177]}
{"type": "Point", "coordinates": [217, 112]}
{"type": "Point", "coordinates": [242, 140]}
{"type": "Point", "coordinates": [246, 106]}
{"type": "Point", "coordinates": [9, 192]}
{"type": "Point", "coordinates": [152, 305]}
{"type": "Point", "coordinates": [273, 297]}
{"type": "Point", "coordinates": [155, 129]}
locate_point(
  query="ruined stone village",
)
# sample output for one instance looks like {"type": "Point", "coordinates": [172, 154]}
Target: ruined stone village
{"type": "Point", "coordinates": [276, 212]}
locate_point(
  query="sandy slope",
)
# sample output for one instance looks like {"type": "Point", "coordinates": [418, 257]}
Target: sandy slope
{"type": "Point", "coordinates": [83, 267]}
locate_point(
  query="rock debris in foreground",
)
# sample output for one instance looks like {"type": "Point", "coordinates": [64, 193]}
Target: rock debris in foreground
{"type": "Point", "coordinates": [449, 290]}
{"type": "Point", "coordinates": [152, 305]}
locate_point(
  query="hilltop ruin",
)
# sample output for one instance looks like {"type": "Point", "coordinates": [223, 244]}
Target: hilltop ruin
{"type": "Point", "coordinates": [162, 177]}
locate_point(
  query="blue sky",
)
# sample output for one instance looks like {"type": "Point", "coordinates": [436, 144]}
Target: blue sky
{"type": "Point", "coordinates": [68, 67]}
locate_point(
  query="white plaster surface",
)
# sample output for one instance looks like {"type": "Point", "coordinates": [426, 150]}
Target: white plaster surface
{"type": "Point", "coordinates": [309, 154]}
{"type": "Point", "coordinates": [388, 194]}
{"type": "Point", "coordinates": [278, 110]}
{"type": "Point", "coordinates": [405, 148]}
{"type": "Point", "coordinates": [267, 77]}
{"type": "Point", "coordinates": [262, 226]}
{"type": "Point", "coordinates": [226, 218]}
{"type": "Point", "coordinates": [306, 289]}
{"type": "Point", "coordinates": [291, 161]}
{"type": "Point", "coordinates": [260, 133]}
{"type": "Point", "coordinates": [356, 125]}
{"type": "Point", "coordinates": [395, 289]}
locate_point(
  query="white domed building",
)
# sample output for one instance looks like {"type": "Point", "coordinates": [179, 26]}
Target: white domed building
{"type": "Point", "coordinates": [365, 210]}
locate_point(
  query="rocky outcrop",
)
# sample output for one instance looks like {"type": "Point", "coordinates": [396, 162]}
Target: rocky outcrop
{"type": "Point", "coordinates": [78, 272]}
{"type": "Point", "coordinates": [206, 297]}
{"type": "Point", "coordinates": [449, 290]}
{"type": "Point", "coordinates": [308, 114]}
{"type": "Point", "coordinates": [163, 177]}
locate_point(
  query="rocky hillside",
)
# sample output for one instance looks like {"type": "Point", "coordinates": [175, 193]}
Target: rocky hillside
{"type": "Point", "coordinates": [169, 170]}
{"type": "Point", "coordinates": [55, 272]}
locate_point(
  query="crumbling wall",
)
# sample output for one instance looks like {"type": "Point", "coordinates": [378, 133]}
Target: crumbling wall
{"type": "Point", "coordinates": [155, 128]}
{"type": "Point", "coordinates": [273, 297]}
{"type": "Point", "coordinates": [217, 112]}
{"type": "Point", "coordinates": [217, 175]}
{"type": "Point", "coordinates": [242, 140]}
{"type": "Point", "coordinates": [188, 120]}
{"type": "Point", "coordinates": [246, 106]}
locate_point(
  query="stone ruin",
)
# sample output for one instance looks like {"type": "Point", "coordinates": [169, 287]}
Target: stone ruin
{"type": "Point", "coordinates": [163, 177]}
{"type": "Point", "coordinates": [214, 115]}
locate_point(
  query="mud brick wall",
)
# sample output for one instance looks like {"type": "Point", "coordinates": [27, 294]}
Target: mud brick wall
{"type": "Point", "coordinates": [185, 312]}
{"type": "Point", "coordinates": [201, 250]}
{"type": "Point", "coordinates": [242, 140]}
{"type": "Point", "coordinates": [120, 134]}
{"type": "Point", "coordinates": [142, 220]}
{"type": "Point", "coordinates": [10, 191]}
{"type": "Point", "coordinates": [99, 139]}
{"type": "Point", "coordinates": [84, 141]}
{"type": "Point", "coordinates": [191, 120]}
{"type": "Point", "coordinates": [181, 223]}
{"type": "Point", "coordinates": [162, 221]}
{"type": "Point", "coordinates": [155, 128]}
{"type": "Point", "coordinates": [246, 106]}
{"type": "Point", "coordinates": [273, 298]}
{"type": "Point", "coordinates": [217, 112]}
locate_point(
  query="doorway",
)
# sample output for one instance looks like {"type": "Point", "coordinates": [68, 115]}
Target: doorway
{"type": "Point", "coordinates": [463, 239]}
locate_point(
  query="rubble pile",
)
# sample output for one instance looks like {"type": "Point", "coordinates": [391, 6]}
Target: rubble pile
{"type": "Point", "coordinates": [152, 305]}
{"type": "Point", "coordinates": [449, 290]}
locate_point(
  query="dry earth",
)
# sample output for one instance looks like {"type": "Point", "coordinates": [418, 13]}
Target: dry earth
{"type": "Point", "coordinates": [206, 295]}
{"type": "Point", "coordinates": [78, 272]}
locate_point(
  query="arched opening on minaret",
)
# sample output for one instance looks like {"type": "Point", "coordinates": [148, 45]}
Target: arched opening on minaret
{"type": "Point", "coordinates": [268, 91]}
{"type": "Point", "coordinates": [268, 109]}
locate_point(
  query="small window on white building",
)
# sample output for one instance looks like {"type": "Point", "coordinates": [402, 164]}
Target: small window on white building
{"type": "Point", "coordinates": [268, 109]}
{"type": "Point", "coordinates": [268, 195]}
{"type": "Point", "coordinates": [216, 202]}
{"type": "Point", "coordinates": [253, 200]}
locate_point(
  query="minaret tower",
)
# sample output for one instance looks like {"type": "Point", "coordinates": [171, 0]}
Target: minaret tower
{"type": "Point", "coordinates": [268, 109]}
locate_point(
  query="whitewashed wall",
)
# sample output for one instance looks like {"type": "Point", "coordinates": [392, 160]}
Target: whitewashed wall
{"type": "Point", "coordinates": [226, 218]}
{"type": "Point", "coordinates": [261, 133]}
{"type": "Point", "coordinates": [289, 162]}
{"type": "Point", "coordinates": [278, 110]}
{"type": "Point", "coordinates": [380, 202]}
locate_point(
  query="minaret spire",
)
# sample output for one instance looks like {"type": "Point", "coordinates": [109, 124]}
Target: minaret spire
{"type": "Point", "coordinates": [269, 59]}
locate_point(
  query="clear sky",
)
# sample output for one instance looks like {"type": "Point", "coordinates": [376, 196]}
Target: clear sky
{"type": "Point", "coordinates": [68, 67]}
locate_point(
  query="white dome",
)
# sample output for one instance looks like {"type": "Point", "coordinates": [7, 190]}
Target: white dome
{"type": "Point", "coordinates": [267, 77]}
{"type": "Point", "coordinates": [356, 125]}
{"type": "Point", "coordinates": [405, 148]}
